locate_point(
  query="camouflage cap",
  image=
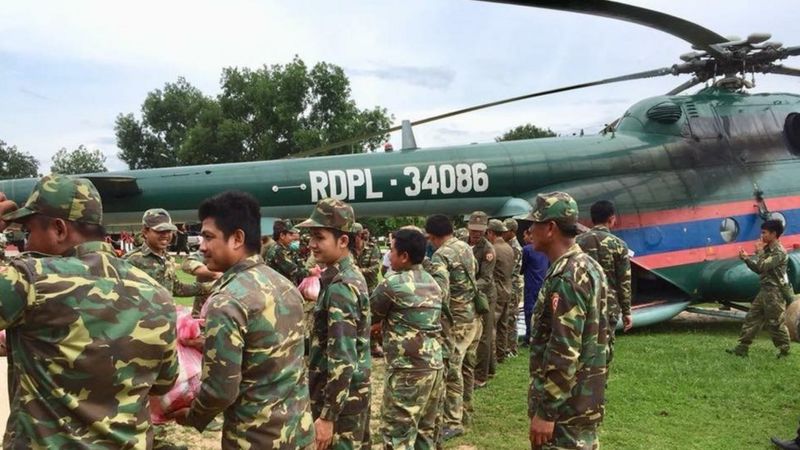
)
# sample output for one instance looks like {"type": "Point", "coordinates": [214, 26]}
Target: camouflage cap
{"type": "Point", "coordinates": [556, 206]}
{"type": "Point", "coordinates": [357, 227]}
{"type": "Point", "coordinates": [331, 213]}
{"type": "Point", "coordinates": [511, 224]}
{"type": "Point", "coordinates": [478, 221]}
{"type": "Point", "coordinates": [461, 233]}
{"type": "Point", "coordinates": [497, 226]}
{"type": "Point", "coordinates": [158, 219]}
{"type": "Point", "coordinates": [62, 197]}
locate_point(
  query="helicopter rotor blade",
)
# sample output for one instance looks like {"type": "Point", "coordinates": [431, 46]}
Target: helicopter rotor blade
{"type": "Point", "coordinates": [694, 81]}
{"type": "Point", "coordinates": [783, 70]}
{"type": "Point", "coordinates": [634, 76]}
{"type": "Point", "coordinates": [699, 36]}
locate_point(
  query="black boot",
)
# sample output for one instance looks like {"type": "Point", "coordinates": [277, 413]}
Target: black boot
{"type": "Point", "coordinates": [791, 444]}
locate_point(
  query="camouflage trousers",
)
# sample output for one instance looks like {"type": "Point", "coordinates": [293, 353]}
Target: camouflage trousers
{"type": "Point", "coordinates": [767, 311]}
{"type": "Point", "coordinates": [613, 320]}
{"type": "Point", "coordinates": [411, 403]}
{"type": "Point", "coordinates": [486, 346]}
{"type": "Point", "coordinates": [462, 335]}
{"type": "Point", "coordinates": [501, 311]}
{"type": "Point", "coordinates": [468, 371]}
{"type": "Point", "coordinates": [571, 437]}
{"type": "Point", "coordinates": [351, 432]}
{"type": "Point", "coordinates": [513, 314]}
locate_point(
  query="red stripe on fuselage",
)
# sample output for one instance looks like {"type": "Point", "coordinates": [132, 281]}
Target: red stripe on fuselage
{"type": "Point", "coordinates": [691, 214]}
{"type": "Point", "coordinates": [711, 253]}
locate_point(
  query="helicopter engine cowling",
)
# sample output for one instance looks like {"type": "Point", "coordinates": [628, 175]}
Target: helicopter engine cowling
{"type": "Point", "coordinates": [733, 280]}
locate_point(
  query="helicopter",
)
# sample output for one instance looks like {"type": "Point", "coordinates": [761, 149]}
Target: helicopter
{"type": "Point", "coordinates": [692, 175]}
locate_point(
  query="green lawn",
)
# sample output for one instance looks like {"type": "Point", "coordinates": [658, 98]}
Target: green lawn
{"type": "Point", "coordinates": [672, 386]}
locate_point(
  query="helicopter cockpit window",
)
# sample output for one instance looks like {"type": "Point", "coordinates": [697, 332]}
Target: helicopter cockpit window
{"type": "Point", "coordinates": [791, 128]}
{"type": "Point", "coordinates": [729, 229]}
{"type": "Point", "coordinates": [777, 216]}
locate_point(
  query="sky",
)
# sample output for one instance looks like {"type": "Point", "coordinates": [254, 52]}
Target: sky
{"type": "Point", "coordinates": [67, 69]}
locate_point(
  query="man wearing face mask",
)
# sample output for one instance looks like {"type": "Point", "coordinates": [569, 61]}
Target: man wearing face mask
{"type": "Point", "coordinates": [152, 256]}
{"type": "Point", "coordinates": [282, 256]}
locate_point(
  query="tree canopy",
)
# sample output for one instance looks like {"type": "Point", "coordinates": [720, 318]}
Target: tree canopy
{"type": "Point", "coordinates": [15, 163]}
{"type": "Point", "coordinates": [527, 131]}
{"type": "Point", "coordinates": [79, 160]}
{"type": "Point", "coordinates": [268, 113]}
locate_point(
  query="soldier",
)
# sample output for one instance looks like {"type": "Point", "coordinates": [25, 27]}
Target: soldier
{"type": "Point", "coordinates": [569, 342]}
{"type": "Point", "coordinates": [283, 254]}
{"type": "Point", "coordinates": [254, 325]}
{"type": "Point", "coordinates": [503, 274]}
{"type": "Point", "coordinates": [408, 306]}
{"type": "Point", "coordinates": [339, 359]}
{"type": "Point", "coordinates": [453, 268]}
{"type": "Point", "coordinates": [612, 254]}
{"type": "Point", "coordinates": [517, 284]}
{"type": "Point", "coordinates": [368, 258]}
{"type": "Point", "coordinates": [194, 265]}
{"type": "Point", "coordinates": [99, 338]}
{"type": "Point", "coordinates": [3, 244]}
{"type": "Point", "coordinates": [152, 256]}
{"type": "Point", "coordinates": [480, 361]}
{"type": "Point", "coordinates": [768, 308]}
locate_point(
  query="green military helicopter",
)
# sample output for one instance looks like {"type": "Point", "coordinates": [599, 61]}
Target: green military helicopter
{"type": "Point", "coordinates": [692, 176]}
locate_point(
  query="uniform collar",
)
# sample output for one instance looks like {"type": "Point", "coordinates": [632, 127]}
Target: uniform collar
{"type": "Point", "coordinates": [575, 249]}
{"type": "Point", "coordinates": [146, 251]}
{"type": "Point", "coordinates": [92, 247]}
{"type": "Point", "coordinates": [601, 228]}
{"type": "Point", "coordinates": [241, 266]}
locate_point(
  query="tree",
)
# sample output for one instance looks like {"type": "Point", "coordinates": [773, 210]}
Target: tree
{"type": "Point", "coordinates": [268, 113]}
{"type": "Point", "coordinates": [15, 163]}
{"type": "Point", "coordinates": [80, 160]}
{"type": "Point", "coordinates": [527, 131]}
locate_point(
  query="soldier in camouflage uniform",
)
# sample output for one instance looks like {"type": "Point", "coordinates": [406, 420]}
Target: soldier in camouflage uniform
{"type": "Point", "coordinates": [503, 274]}
{"type": "Point", "coordinates": [3, 245]}
{"type": "Point", "coordinates": [453, 266]}
{"type": "Point", "coordinates": [283, 254]}
{"type": "Point", "coordinates": [517, 285]}
{"type": "Point", "coordinates": [408, 305]}
{"type": "Point", "coordinates": [569, 340]}
{"type": "Point", "coordinates": [768, 308]}
{"type": "Point", "coordinates": [153, 258]}
{"type": "Point", "coordinates": [99, 338]}
{"type": "Point", "coordinates": [339, 360]}
{"type": "Point", "coordinates": [253, 369]}
{"type": "Point", "coordinates": [612, 254]}
{"type": "Point", "coordinates": [480, 362]}
{"type": "Point", "coordinates": [194, 265]}
{"type": "Point", "coordinates": [368, 258]}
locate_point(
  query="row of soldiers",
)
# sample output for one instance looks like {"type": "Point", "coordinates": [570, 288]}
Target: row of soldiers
{"type": "Point", "coordinates": [91, 336]}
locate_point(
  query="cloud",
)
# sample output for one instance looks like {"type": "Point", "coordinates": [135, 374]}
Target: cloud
{"type": "Point", "coordinates": [428, 77]}
{"type": "Point", "coordinates": [34, 94]}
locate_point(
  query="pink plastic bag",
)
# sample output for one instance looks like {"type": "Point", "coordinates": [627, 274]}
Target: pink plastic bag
{"type": "Point", "coordinates": [309, 288]}
{"type": "Point", "coordinates": [190, 367]}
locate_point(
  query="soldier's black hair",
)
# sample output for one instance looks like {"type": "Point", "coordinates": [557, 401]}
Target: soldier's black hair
{"type": "Point", "coordinates": [776, 226]}
{"type": "Point", "coordinates": [569, 231]}
{"type": "Point", "coordinates": [602, 211]}
{"type": "Point", "coordinates": [439, 225]}
{"type": "Point", "coordinates": [351, 239]}
{"type": "Point", "coordinates": [279, 228]}
{"type": "Point", "coordinates": [234, 210]}
{"type": "Point", "coordinates": [411, 242]}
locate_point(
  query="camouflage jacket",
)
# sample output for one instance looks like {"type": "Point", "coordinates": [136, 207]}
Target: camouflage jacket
{"type": "Point", "coordinates": [770, 264]}
{"type": "Point", "coordinates": [253, 367]}
{"type": "Point", "coordinates": [369, 261]}
{"type": "Point", "coordinates": [339, 360]}
{"type": "Point", "coordinates": [286, 263]}
{"type": "Point", "coordinates": [503, 272]}
{"type": "Point", "coordinates": [612, 254]}
{"type": "Point", "coordinates": [409, 305]}
{"type": "Point", "coordinates": [452, 266]}
{"type": "Point", "coordinates": [90, 337]}
{"type": "Point", "coordinates": [163, 270]}
{"type": "Point", "coordinates": [517, 280]}
{"type": "Point", "coordinates": [194, 261]}
{"type": "Point", "coordinates": [569, 342]}
{"type": "Point", "coordinates": [486, 258]}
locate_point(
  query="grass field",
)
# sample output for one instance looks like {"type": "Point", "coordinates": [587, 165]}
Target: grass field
{"type": "Point", "coordinates": [672, 386]}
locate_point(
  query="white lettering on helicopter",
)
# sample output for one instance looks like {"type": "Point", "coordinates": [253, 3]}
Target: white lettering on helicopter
{"type": "Point", "coordinates": [341, 184]}
{"type": "Point", "coordinates": [442, 179]}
